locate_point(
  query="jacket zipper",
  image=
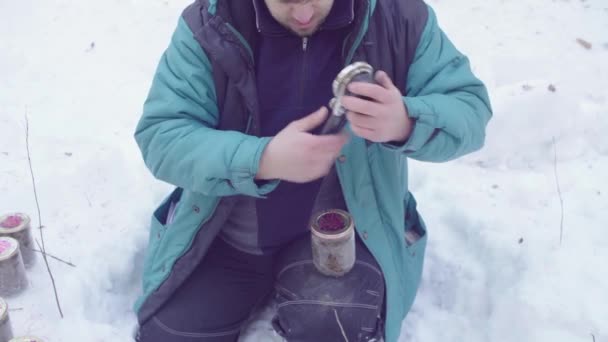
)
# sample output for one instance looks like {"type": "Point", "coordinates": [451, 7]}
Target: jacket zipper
{"type": "Point", "coordinates": [305, 41]}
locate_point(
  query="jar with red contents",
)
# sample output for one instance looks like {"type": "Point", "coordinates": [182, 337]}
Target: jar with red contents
{"type": "Point", "coordinates": [333, 242]}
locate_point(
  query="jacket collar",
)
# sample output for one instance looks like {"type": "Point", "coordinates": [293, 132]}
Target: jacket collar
{"type": "Point", "coordinates": [341, 14]}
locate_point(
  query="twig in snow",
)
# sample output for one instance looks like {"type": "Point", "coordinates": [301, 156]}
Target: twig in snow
{"type": "Point", "coordinates": [29, 160]}
{"type": "Point", "coordinates": [559, 192]}
{"type": "Point", "coordinates": [15, 309]}
{"type": "Point", "coordinates": [341, 327]}
{"type": "Point", "coordinates": [593, 337]}
{"type": "Point", "coordinates": [42, 248]}
{"type": "Point", "coordinates": [46, 261]}
{"type": "Point", "coordinates": [54, 257]}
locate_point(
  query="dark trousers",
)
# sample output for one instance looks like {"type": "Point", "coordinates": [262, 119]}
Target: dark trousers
{"type": "Point", "coordinates": [220, 295]}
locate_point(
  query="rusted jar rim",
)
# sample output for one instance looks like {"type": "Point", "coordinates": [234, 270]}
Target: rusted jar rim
{"type": "Point", "coordinates": [3, 310]}
{"type": "Point", "coordinates": [334, 234]}
{"type": "Point", "coordinates": [13, 247]}
{"type": "Point", "coordinates": [25, 223]}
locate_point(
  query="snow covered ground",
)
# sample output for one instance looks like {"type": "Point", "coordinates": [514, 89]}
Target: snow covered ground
{"type": "Point", "coordinates": [495, 268]}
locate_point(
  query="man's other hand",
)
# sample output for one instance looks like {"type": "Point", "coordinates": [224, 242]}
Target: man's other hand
{"type": "Point", "coordinates": [385, 119]}
{"type": "Point", "coordinates": [298, 156]}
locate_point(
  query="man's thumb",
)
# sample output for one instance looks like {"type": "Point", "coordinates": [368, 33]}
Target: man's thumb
{"type": "Point", "coordinates": [311, 121]}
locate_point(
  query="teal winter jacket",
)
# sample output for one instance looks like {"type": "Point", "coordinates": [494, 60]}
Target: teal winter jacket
{"type": "Point", "coordinates": [199, 132]}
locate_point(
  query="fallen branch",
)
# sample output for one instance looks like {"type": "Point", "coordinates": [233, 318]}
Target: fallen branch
{"type": "Point", "coordinates": [46, 261]}
{"type": "Point", "coordinates": [559, 192]}
{"type": "Point", "coordinates": [56, 258]}
{"type": "Point", "coordinates": [42, 248]}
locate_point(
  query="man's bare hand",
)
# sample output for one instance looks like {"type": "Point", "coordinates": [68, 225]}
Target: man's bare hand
{"type": "Point", "coordinates": [382, 120]}
{"type": "Point", "coordinates": [298, 156]}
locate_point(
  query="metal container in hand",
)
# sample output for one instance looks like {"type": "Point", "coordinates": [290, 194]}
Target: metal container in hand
{"type": "Point", "coordinates": [356, 72]}
{"type": "Point", "coordinates": [333, 242]}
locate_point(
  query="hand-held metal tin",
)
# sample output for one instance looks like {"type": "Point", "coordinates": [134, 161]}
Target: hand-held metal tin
{"type": "Point", "coordinates": [356, 72]}
{"type": "Point", "coordinates": [333, 242]}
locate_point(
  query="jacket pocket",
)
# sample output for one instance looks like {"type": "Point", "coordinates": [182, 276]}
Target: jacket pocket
{"type": "Point", "coordinates": [158, 227]}
{"type": "Point", "coordinates": [414, 234]}
{"type": "Point", "coordinates": [415, 238]}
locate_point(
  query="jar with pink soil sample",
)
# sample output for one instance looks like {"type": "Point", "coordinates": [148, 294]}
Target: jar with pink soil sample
{"type": "Point", "coordinates": [333, 242]}
{"type": "Point", "coordinates": [13, 279]}
{"type": "Point", "coordinates": [6, 332]}
{"type": "Point", "coordinates": [17, 226]}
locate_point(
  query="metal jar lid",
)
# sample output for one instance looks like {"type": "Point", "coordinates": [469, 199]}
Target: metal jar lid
{"type": "Point", "coordinates": [8, 247]}
{"type": "Point", "coordinates": [347, 74]}
{"type": "Point", "coordinates": [3, 310]}
{"type": "Point", "coordinates": [26, 339]}
{"type": "Point", "coordinates": [12, 223]}
{"type": "Point", "coordinates": [334, 234]}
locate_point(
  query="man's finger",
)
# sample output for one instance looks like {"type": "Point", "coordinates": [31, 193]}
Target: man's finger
{"type": "Point", "coordinates": [329, 142]}
{"type": "Point", "coordinates": [385, 81]}
{"type": "Point", "coordinates": [355, 104]}
{"type": "Point", "coordinates": [362, 132]}
{"type": "Point", "coordinates": [374, 91]}
{"type": "Point", "coordinates": [361, 120]}
{"type": "Point", "coordinates": [311, 121]}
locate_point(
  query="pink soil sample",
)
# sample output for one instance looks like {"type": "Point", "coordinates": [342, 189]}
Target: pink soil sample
{"type": "Point", "coordinates": [331, 222]}
{"type": "Point", "coordinates": [11, 222]}
{"type": "Point", "coordinates": [4, 245]}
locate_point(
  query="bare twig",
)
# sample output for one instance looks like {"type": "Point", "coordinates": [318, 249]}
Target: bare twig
{"type": "Point", "coordinates": [29, 160]}
{"type": "Point", "coordinates": [54, 257]}
{"type": "Point", "coordinates": [42, 248]}
{"type": "Point", "coordinates": [559, 192]}
{"type": "Point", "coordinates": [15, 309]}
{"type": "Point", "coordinates": [593, 337]}
{"type": "Point", "coordinates": [341, 327]}
{"type": "Point", "coordinates": [46, 261]}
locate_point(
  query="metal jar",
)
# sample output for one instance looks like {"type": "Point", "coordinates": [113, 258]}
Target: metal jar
{"type": "Point", "coordinates": [6, 332]}
{"type": "Point", "coordinates": [13, 279]}
{"type": "Point", "coordinates": [333, 242]}
{"type": "Point", "coordinates": [17, 226]}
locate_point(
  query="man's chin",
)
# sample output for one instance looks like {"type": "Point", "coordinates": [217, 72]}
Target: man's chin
{"type": "Point", "coordinates": [304, 33]}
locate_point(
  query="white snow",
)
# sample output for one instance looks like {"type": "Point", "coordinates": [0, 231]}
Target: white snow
{"type": "Point", "coordinates": [480, 283]}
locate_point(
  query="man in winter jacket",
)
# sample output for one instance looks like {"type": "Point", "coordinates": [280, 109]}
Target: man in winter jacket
{"type": "Point", "coordinates": [232, 121]}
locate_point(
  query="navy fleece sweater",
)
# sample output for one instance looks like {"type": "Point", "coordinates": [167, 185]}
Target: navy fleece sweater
{"type": "Point", "coordinates": [294, 76]}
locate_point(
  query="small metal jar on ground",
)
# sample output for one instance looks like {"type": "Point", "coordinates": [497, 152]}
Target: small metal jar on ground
{"type": "Point", "coordinates": [333, 242]}
{"type": "Point", "coordinates": [13, 279]}
{"type": "Point", "coordinates": [17, 226]}
{"type": "Point", "coordinates": [6, 331]}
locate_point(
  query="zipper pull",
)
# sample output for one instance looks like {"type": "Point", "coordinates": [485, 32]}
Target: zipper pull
{"type": "Point", "coordinates": [304, 43]}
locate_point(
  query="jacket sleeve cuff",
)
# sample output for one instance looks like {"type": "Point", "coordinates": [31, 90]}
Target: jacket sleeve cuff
{"type": "Point", "coordinates": [423, 130]}
{"type": "Point", "coordinates": [245, 166]}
